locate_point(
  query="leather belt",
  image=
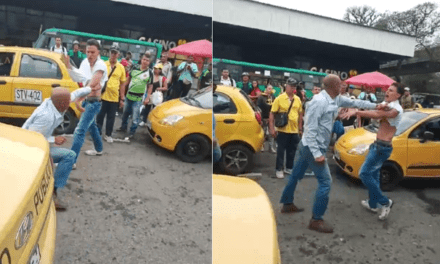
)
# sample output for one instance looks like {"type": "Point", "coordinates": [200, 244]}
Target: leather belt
{"type": "Point", "coordinates": [383, 143]}
{"type": "Point", "coordinates": [93, 99]}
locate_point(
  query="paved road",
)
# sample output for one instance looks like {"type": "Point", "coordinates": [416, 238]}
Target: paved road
{"type": "Point", "coordinates": [135, 204]}
{"type": "Point", "coordinates": [410, 235]}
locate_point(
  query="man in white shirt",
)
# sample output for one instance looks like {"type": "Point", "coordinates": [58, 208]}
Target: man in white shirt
{"type": "Point", "coordinates": [225, 79]}
{"type": "Point", "coordinates": [48, 116]}
{"type": "Point", "coordinates": [59, 48]}
{"type": "Point", "coordinates": [166, 70]}
{"type": "Point", "coordinates": [95, 72]}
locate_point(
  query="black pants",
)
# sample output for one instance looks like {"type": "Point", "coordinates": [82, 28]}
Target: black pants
{"type": "Point", "coordinates": [109, 109]}
{"type": "Point", "coordinates": [145, 112]}
{"type": "Point", "coordinates": [184, 88]}
{"type": "Point", "coordinates": [287, 143]}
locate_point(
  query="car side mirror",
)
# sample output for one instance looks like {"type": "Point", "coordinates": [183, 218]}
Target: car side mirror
{"type": "Point", "coordinates": [427, 136]}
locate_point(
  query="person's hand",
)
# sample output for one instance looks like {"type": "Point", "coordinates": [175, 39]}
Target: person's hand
{"type": "Point", "coordinates": [320, 159]}
{"type": "Point", "coordinates": [97, 87]}
{"type": "Point", "coordinates": [121, 104]}
{"type": "Point", "coordinates": [67, 61]}
{"type": "Point", "coordinates": [349, 113]}
{"type": "Point", "coordinates": [78, 103]}
{"type": "Point", "coordinates": [147, 100]}
{"type": "Point", "coordinates": [59, 140]}
{"type": "Point", "coordinates": [273, 132]}
{"type": "Point", "coordinates": [382, 107]}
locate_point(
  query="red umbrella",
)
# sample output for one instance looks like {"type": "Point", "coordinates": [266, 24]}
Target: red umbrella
{"type": "Point", "coordinates": [199, 48]}
{"type": "Point", "coordinates": [371, 79]}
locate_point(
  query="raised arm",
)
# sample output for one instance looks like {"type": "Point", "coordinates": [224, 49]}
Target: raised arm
{"type": "Point", "coordinates": [350, 103]}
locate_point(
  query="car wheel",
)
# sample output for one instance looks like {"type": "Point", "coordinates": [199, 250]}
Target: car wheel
{"type": "Point", "coordinates": [236, 159]}
{"type": "Point", "coordinates": [390, 176]}
{"type": "Point", "coordinates": [68, 125]}
{"type": "Point", "coordinates": [193, 148]}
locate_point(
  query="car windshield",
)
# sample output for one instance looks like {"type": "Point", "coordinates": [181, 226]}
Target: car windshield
{"type": "Point", "coordinates": [408, 120]}
{"type": "Point", "coordinates": [201, 98]}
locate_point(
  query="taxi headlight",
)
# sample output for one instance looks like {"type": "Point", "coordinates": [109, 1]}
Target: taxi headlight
{"type": "Point", "coordinates": [24, 231]}
{"type": "Point", "coordinates": [359, 149]}
{"type": "Point", "coordinates": [171, 120]}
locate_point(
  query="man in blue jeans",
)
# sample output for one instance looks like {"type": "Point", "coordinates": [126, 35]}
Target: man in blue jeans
{"type": "Point", "coordinates": [320, 114]}
{"type": "Point", "coordinates": [95, 72]}
{"type": "Point", "coordinates": [381, 149]}
{"type": "Point", "coordinates": [48, 116]}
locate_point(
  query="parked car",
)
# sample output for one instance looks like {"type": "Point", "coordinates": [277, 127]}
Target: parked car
{"type": "Point", "coordinates": [27, 77]}
{"type": "Point", "coordinates": [238, 129]}
{"type": "Point", "coordinates": [27, 210]}
{"type": "Point", "coordinates": [415, 144]}
{"type": "Point", "coordinates": [244, 228]}
{"type": "Point", "coordinates": [184, 125]}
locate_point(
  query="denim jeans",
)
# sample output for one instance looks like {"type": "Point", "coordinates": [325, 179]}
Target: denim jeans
{"type": "Point", "coordinates": [146, 112]}
{"type": "Point", "coordinates": [87, 123]}
{"type": "Point", "coordinates": [65, 159]}
{"type": "Point", "coordinates": [370, 173]}
{"type": "Point", "coordinates": [304, 160]}
{"type": "Point", "coordinates": [131, 108]}
{"type": "Point", "coordinates": [287, 143]}
{"type": "Point", "coordinates": [216, 154]}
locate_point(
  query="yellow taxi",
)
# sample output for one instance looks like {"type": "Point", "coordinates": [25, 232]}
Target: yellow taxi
{"type": "Point", "coordinates": [244, 228]}
{"type": "Point", "coordinates": [27, 219]}
{"type": "Point", "coordinates": [238, 129]}
{"type": "Point", "coordinates": [27, 77]}
{"type": "Point", "coordinates": [184, 125]}
{"type": "Point", "coordinates": [415, 144]}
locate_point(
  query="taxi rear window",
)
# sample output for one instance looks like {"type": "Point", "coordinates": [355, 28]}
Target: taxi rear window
{"type": "Point", "coordinates": [254, 107]}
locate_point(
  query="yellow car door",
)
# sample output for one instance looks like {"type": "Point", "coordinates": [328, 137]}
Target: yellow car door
{"type": "Point", "coordinates": [7, 71]}
{"type": "Point", "coordinates": [37, 76]}
{"type": "Point", "coordinates": [423, 155]}
{"type": "Point", "coordinates": [226, 116]}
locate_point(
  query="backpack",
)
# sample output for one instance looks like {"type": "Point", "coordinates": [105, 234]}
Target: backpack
{"type": "Point", "coordinates": [64, 49]}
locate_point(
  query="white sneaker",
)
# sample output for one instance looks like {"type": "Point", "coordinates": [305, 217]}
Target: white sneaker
{"type": "Point", "coordinates": [288, 171]}
{"type": "Point", "coordinates": [280, 174]}
{"type": "Point", "coordinates": [93, 152]}
{"type": "Point", "coordinates": [74, 167]}
{"type": "Point", "coordinates": [309, 174]}
{"type": "Point", "coordinates": [108, 139]}
{"type": "Point", "coordinates": [385, 210]}
{"type": "Point", "coordinates": [365, 204]}
{"type": "Point", "coordinates": [141, 124]}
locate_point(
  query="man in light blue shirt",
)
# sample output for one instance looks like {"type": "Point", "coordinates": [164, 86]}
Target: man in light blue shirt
{"type": "Point", "coordinates": [320, 115]}
{"type": "Point", "coordinates": [48, 116]}
{"type": "Point", "coordinates": [187, 71]}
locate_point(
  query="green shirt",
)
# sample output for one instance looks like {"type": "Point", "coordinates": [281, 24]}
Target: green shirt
{"type": "Point", "coordinates": [139, 83]}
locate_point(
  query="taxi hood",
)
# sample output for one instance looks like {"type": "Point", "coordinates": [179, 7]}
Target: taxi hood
{"type": "Point", "coordinates": [356, 137]}
{"type": "Point", "coordinates": [177, 107]}
{"type": "Point", "coordinates": [244, 227]}
{"type": "Point", "coordinates": [23, 158]}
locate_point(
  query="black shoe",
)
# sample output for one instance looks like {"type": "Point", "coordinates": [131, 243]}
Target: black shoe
{"type": "Point", "coordinates": [121, 130]}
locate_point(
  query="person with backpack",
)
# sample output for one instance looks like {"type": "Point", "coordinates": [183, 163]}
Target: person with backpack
{"type": "Point", "coordinates": [59, 48]}
{"type": "Point", "coordinates": [245, 84]}
{"type": "Point", "coordinates": [139, 82]}
{"type": "Point", "coordinates": [225, 79]}
{"type": "Point", "coordinates": [160, 84]}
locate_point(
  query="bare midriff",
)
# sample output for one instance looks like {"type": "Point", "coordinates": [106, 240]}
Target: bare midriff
{"type": "Point", "coordinates": [386, 131]}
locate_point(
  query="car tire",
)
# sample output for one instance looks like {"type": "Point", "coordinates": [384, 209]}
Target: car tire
{"type": "Point", "coordinates": [68, 125]}
{"type": "Point", "coordinates": [231, 167]}
{"type": "Point", "coordinates": [193, 148]}
{"type": "Point", "coordinates": [390, 176]}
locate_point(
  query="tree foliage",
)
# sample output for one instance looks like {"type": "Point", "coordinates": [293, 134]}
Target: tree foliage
{"type": "Point", "coordinates": [362, 15]}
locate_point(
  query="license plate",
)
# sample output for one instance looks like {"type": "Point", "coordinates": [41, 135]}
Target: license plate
{"type": "Point", "coordinates": [35, 256]}
{"type": "Point", "coordinates": [28, 96]}
{"type": "Point", "coordinates": [337, 155]}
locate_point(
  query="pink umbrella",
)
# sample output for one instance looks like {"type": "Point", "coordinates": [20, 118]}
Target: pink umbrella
{"type": "Point", "coordinates": [199, 48]}
{"type": "Point", "coordinates": [371, 79]}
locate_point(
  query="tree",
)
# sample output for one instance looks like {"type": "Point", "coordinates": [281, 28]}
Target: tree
{"type": "Point", "coordinates": [422, 22]}
{"type": "Point", "coordinates": [362, 15]}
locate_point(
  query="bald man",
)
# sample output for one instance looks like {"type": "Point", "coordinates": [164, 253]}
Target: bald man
{"type": "Point", "coordinates": [48, 116]}
{"type": "Point", "coordinates": [319, 118]}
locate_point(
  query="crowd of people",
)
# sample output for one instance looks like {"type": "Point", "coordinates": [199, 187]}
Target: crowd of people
{"type": "Point", "coordinates": [108, 86]}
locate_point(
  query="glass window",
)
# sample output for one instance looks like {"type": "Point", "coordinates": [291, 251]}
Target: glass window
{"type": "Point", "coordinates": [432, 125]}
{"type": "Point", "coordinates": [39, 67]}
{"type": "Point", "coordinates": [222, 104]}
{"type": "Point", "coordinates": [204, 98]}
{"type": "Point", "coordinates": [408, 120]}
{"type": "Point", "coordinates": [6, 60]}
